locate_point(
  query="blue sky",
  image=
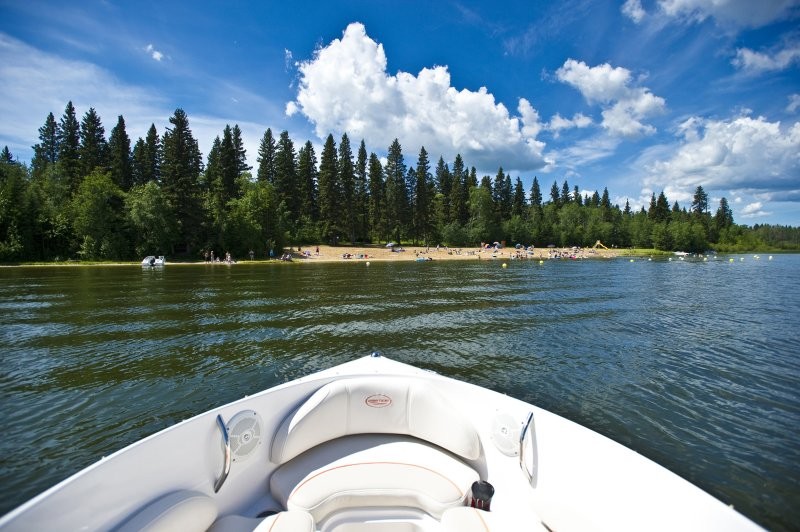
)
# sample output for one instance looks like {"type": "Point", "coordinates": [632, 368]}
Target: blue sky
{"type": "Point", "coordinates": [635, 95]}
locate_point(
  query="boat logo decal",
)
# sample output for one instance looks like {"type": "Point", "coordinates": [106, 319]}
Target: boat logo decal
{"type": "Point", "coordinates": [378, 400]}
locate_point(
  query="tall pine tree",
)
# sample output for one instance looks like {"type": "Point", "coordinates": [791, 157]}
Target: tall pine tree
{"type": "Point", "coordinates": [119, 156]}
{"type": "Point", "coordinates": [68, 146]}
{"type": "Point", "coordinates": [180, 175]}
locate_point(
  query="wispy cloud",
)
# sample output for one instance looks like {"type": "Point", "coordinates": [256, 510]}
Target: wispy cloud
{"type": "Point", "coordinates": [633, 10]}
{"type": "Point", "coordinates": [754, 62]}
{"type": "Point", "coordinates": [733, 15]}
{"type": "Point", "coordinates": [794, 103]}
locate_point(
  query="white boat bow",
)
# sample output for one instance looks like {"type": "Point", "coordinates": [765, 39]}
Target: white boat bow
{"type": "Point", "coordinates": [375, 444]}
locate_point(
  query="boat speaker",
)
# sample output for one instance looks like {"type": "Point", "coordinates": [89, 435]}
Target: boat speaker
{"type": "Point", "coordinates": [244, 430]}
{"type": "Point", "coordinates": [505, 433]}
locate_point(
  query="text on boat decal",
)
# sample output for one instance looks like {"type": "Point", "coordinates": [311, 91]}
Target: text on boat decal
{"type": "Point", "coordinates": [378, 400]}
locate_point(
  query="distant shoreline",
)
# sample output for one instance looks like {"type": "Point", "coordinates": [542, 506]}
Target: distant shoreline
{"type": "Point", "coordinates": [325, 254]}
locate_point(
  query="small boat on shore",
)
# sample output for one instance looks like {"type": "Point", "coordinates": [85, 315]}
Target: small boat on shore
{"type": "Point", "coordinates": [152, 261]}
{"type": "Point", "coordinates": [375, 444]}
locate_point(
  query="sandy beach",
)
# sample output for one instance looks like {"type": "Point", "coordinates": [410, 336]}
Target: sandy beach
{"type": "Point", "coordinates": [375, 253]}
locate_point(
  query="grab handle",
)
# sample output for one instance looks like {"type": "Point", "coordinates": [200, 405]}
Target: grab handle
{"type": "Point", "coordinates": [522, 436]}
{"type": "Point", "coordinates": [226, 467]}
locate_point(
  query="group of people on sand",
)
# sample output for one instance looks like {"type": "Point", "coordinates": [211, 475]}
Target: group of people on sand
{"type": "Point", "coordinates": [210, 258]}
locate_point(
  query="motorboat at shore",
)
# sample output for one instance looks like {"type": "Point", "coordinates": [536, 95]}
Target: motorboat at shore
{"type": "Point", "coordinates": [152, 261]}
{"type": "Point", "coordinates": [375, 444]}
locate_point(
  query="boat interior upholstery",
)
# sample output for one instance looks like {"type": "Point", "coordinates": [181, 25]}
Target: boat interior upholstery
{"type": "Point", "coordinates": [356, 445]}
{"type": "Point", "coordinates": [374, 442]}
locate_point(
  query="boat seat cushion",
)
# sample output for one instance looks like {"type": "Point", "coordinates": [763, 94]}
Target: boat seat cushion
{"type": "Point", "coordinates": [367, 471]}
{"type": "Point", "coordinates": [179, 511]}
{"type": "Point", "coordinates": [375, 405]}
{"type": "Point", "coordinates": [291, 521]}
{"type": "Point", "coordinates": [467, 519]}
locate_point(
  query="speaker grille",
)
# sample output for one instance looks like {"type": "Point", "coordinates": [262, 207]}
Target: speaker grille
{"type": "Point", "coordinates": [245, 434]}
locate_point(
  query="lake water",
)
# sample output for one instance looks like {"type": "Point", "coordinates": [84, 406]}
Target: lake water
{"type": "Point", "coordinates": [693, 364]}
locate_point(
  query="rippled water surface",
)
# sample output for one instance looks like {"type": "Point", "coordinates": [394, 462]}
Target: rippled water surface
{"type": "Point", "coordinates": [693, 364]}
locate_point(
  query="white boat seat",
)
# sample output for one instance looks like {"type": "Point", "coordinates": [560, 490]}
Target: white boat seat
{"type": "Point", "coordinates": [467, 519]}
{"type": "Point", "coordinates": [375, 405]}
{"type": "Point", "coordinates": [179, 511]}
{"type": "Point", "coordinates": [371, 471]}
{"type": "Point", "coordinates": [290, 521]}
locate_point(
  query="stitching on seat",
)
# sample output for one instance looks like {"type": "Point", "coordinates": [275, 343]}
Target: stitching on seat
{"type": "Point", "coordinates": [296, 489]}
{"type": "Point", "coordinates": [274, 522]}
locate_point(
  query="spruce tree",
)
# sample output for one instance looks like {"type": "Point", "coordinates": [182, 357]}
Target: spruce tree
{"type": "Point", "coordinates": [307, 181]}
{"type": "Point", "coordinates": [377, 198]}
{"type": "Point", "coordinates": [93, 147]}
{"type": "Point", "coordinates": [397, 203]}
{"type": "Point", "coordinates": [361, 193]}
{"type": "Point", "coordinates": [423, 197]}
{"type": "Point", "coordinates": [229, 166]}
{"type": "Point", "coordinates": [458, 193]}
{"type": "Point", "coordinates": [329, 202]}
{"type": "Point", "coordinates": [347, 180]}
{"type": "Point", "coordinates": [45, 153]}
{"type": "Point", "coordinates": [554, 196]}
{"type": "Point", "coordinates": [68, 145]}
{"type": "Point", "coordinates": [180, 175]}
{"type": "Point", "coordinates": [724, 216]}
{"type": "Point", "coordinates": [266, 158]}
{"type": "Point", "coordinates": [119, 156]}
{"type": "Point", "coordinates": [286, 175]}
{"type": "Point", "coordinates": [519, 207]}
{"type": "Point", "coordinates": [147, 156]}
{"type": "Point", "coordinates": [444, 185]}
{"type": "Point", "coordinates": [241, 153]}
{"type": "Point", "coordinates": [700, 202]}
{"type": "Point", "coordinates": [536, 194]}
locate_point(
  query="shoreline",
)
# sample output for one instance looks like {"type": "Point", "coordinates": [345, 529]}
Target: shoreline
{"type": "Point", "coordinates": [325, 254]}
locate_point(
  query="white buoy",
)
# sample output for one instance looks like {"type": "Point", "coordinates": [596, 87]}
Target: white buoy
{"type": "Point", "coordinates": [541, 262]}
{"type": "Point", "coordinates": [730, 260]}
{"type": "Point", "coordinates": [770, 257]}
{"type": "Point", "coordinates": [505, 265]}
{"type": "Point", "coordinates": [367, 263]}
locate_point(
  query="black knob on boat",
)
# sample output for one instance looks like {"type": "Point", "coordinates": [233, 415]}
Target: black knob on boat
{"type": "Point", "coordinates": [482, 493]}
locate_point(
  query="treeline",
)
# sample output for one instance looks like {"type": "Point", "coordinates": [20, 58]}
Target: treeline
{"type": "Point", "coordinates": [91, 197]}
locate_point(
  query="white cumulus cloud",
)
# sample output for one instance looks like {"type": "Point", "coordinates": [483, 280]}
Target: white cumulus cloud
{"type": "Point", "coordinates": [624, 106]}
{"type": "Point", "coordinates": [742, 153]}
{"type": "Point", "coordinates": [754, 210]}
{"type": "Point", "coordinates": [345, 88]}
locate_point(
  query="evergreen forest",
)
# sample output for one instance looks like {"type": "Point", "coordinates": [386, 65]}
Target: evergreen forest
{"type": "Point", "coordinates": [89, 196]}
